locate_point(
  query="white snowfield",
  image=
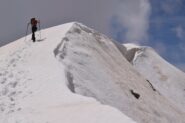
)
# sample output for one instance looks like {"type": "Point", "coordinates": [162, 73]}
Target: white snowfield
{"type": "Point", "coordinates": [33, 86]}
{"type": "Point", "coordinates": [77, 75]}
{"type": "Point", "coordinates": [164, 77]}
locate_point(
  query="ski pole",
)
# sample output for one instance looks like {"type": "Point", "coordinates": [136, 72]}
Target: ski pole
{"type": "Point", "coordinates": [39, 30]}
{"type": "Point", "coordinates": [26, 32]}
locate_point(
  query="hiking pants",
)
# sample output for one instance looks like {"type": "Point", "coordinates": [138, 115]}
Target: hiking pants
{"type": "Point", "coordinates": [34, 29]}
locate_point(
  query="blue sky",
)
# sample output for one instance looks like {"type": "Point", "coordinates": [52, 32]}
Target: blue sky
{"type": "Point", "coordinates": [167, 28]}
{"type": "Point", "coordinates": [157, 23]}
{"type": "Point", "coordinates": [165, 32]}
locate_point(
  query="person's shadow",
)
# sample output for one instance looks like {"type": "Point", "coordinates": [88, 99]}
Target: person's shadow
{"type": "Point", "coordinates": [40, 40]}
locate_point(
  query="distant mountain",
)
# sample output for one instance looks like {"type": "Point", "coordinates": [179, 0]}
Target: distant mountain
{"type": "Point", "coordinates": [77, 75]}
{"type": "Point", "coordinates": [164, 77]}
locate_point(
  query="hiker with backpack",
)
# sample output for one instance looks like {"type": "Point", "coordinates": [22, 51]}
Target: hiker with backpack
{"type": "Point", "coordinates": [34, 24]}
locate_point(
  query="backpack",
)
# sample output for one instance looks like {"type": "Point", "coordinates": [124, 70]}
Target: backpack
{"type": "Point", "coordinates": [33, 22]}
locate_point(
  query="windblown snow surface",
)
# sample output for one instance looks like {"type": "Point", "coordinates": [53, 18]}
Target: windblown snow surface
{"type": "Point", "coordinates": [77, 75]}
{"type": "Point", "coordinates": [164, 77]}
{"type": "Point", "coordinates": [33, 86]}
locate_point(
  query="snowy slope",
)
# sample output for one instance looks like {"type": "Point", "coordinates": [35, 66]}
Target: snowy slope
{"type": "Point", "coordinates": [96, 67]}
{"type": "Point", "coordinates": [33, 86]}
{"type": "Point", "coordinates": [164, 77]}
{"type": "Point", "coordinates": [76, 75]}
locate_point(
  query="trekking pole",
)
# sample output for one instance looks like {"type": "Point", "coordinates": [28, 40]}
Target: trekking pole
{"type": "Point", "coordinates": [39, 30]}
{"type": "Point", "coordinates": [26, 32]}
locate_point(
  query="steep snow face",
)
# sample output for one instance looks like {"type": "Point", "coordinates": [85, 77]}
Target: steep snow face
{"type": "Point", "coordinates": [33, 86]}
{"type": "Point", "coordinates": [95, 66]}
{"type": "Point", "coordinates": [58, 79]}
{"type": "Point", "coordinates": [164, 77]}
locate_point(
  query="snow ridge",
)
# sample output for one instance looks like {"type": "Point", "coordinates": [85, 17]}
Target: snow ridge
{"type": "Point", "coordinates": [77, 75]}
{"type": "Point", "coordinates": [164, 77]}
{"type": "Point", "coordinates": [97, 68]}
{"type": "Point", "coordinates": [33, 86]}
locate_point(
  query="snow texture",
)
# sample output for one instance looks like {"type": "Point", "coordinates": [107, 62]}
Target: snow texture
{"type": "Point", "coordinates": [33, 86]}
{"type": "Point", "coordinates": [164, 77]}
{"type": "Point", "coordinates": [77, 75]}
{"type": "Point", "coordinates": [97, 68]}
